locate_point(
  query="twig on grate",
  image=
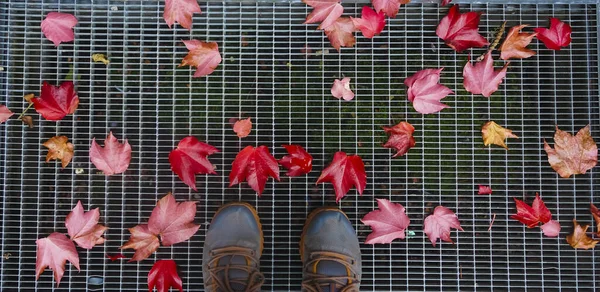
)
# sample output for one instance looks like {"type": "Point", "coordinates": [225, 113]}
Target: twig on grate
{"type": "Point", "coordinates": [492, 223]}
{"type": "Point", "coordinates": [495, 43]}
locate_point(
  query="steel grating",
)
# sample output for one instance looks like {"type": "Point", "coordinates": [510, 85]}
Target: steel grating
{"type": "Point", "coordinates": [144, 97]}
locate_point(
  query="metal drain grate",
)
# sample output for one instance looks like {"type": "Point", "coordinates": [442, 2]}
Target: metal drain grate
{"type": "Point", "coordinates": [145, 98]}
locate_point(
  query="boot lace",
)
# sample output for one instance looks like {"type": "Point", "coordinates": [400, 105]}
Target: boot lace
{"type": "Point", "coordinates": [314, 282]}
{"type": "Point", "coordinates": [218, 278]}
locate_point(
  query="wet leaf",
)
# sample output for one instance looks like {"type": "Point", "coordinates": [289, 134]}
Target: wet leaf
{"type": "Point", "coordinates": [401, 138]}
{"type": "Point", "coordinates": [343, 173]}
{"type": "Point", "coordinates": [254, 165]}
{"type": "Point", "coordinates": [190, 158]}
{"type": "Point", "coordinates": [297, 162]}
{"type": "Point", "coordinates": [55, 102]}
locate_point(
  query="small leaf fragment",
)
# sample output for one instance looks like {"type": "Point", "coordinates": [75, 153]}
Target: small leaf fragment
{"type": "Point", "coordinates": [164, 276]}
{"type": "Point", "coordinates": [5, 113]}
{"type": "Point", "coordinates": [242, 128]}
{"type": "Point", "coordinates": [100, 58]}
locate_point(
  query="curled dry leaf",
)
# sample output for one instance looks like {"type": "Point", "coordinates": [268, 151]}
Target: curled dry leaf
{"type": "Point", "coordinates": [579, 237]}
{"type": "Point", "coordinates": [341, 89]}
{"type": "Point", "coordinates": [83, 227]}
{"type": "Point", "coordinates": [344, 172]}
{"type": "Point", "coordinates": [180, 11]}
{"type": "Point", "coordinates": [204, 56]}
{"type": "Point", "coordinates": [58, 27]}
{"type": "Point", "coordinates": [557, 36]}
{"type": "Point", "coordinates": [572, 154]}
{"type": "Point", "coordinates": [484, 190]}
{"type": "Point", "coordinates": [54, 251]}
{"type": "Point", "coordinates": [341, 33]}
{"type": "Point", "coordinates": [387, 223]}
{"type": "Point", "coordinates": [461, 30]}
{"type": "Point", "coordinates": [514, 46]}
{"type": "Point", "coordinates": [27, 120]}
{"type": "Point", "coordinates": [389, 7]}
{"type": "Point", "coordinates": [114, 158]}
{"type": "Point", "coordinates": [59, 149]}
{"type": "Point", "coordinates": [190, 158]}
{"type": "Point", "coordinates": [425, 92]}
{"type": "Point", "coordinates": [254, 165]}
{"type": "Point", "coordinates": [100, 58]}
{"type": "Point", "coordinates": [297, 162]}
{"type": "Point", "coordinates": [164, 276]}
{"type": "Point", "coordinates": [481, 78]}
{"type": "Point", "coordinates": [493, 133]}
{"type": "Point", "coordinates": [55, 102]}
{"type": "Point", "coordinates": [371, 23]}
{"type": "Point", "coordinates": [438, 224]}
{"type": "Point", "coordinates": [5, 113]}
{"type": "Point", "coordinates": [242, 128]}
{"type": "Point", "coordinates": [401, 138]}
{"type": "Point", "coordinates": [29, 97]}
{"type": "Point", "coordinates": [324, 11]}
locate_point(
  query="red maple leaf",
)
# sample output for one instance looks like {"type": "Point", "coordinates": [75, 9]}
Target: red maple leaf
{"type": "Point", "coordinates": [559, 34]}
{"type": "Point", "coordinates": [114, 257]}
{"type": "Point", "coordinates": [297, 162]}
{"type": "Point", "coordinates": [204, 56]}
{"type": "Point", "coordinates": [142, 241]}
{"type": "Point", "coordinates": [58, 27]}
{"type": "Point", "coordinates": [532, 215]}
{"type": "Point", "coordinates": [461, 31]}
{"type": "Point", "coordinates": [114, 158]}
{"type": "Point", "coordinates": [484, 190]}
{"type": "Point", "coordinates": [514, 46]}
{"type": "Point", "coordinates": [341, 33]}
{"type": "Point", "coordinates": [254, 165]}
{"type": "Point", "coordinates": [341, 89]}
{"type": "Point", "coordinates": [324, 11]}
{"type": "Point", "coordinates": [83, 227]}
{"type": "Point", "coordinates": [387, 223]}
{"type": "Point", "coordinates": [163, 276]}
{"type": "Point", "coordinates": [344, 172]}
{"type": "Point", "coordinates": [445, 2]}
{"type": "Point", "coordinates": [173, 221]}
{"type": "Point", "coordinates": [189, 159]}
{"type": "Point", "coordinates": [425, 92]}
{"type": "Point", "coordinates": [389, 7]}
{"type": "Point", "coordinates": [401, 138]}
{"type": "Point", "coordinates": [180, 11]}
{"type": "Point", "coordinates": [5, 113]}
{"type": "Point", "coordinates": [54, 102]}
{"type": "Point", "coordinates": [482, 78]}
{"type": "Point", "coordinates": [53, 252]}
{"type": "Point", "coordinates": [370, 23]}
{"type": "Point", "coordinates": [438, 224]}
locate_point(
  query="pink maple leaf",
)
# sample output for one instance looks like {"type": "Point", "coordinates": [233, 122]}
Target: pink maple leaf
{"type": "Point", "coordinates": [114, 158]}
{"type": "Point", "coordinates": [143, 241]}
{"type": "Point", "coordinates": [324, 11]}
{"type": "Point", "coordinates": [173, 221]}
{"type": "Point", "coordinates": [438, 224]}
{"type": "Point", "coordinates": [58, 27]}
{"type": "Point", "coordinates": [180, 11]}
{"type": "Point", "coordinates": [53, 252]}
{"type": "Point", "coordinates": [551, 228]}
{"type": "Point", "coordinates": [461, 30]}
{"type": "Point", "coordinates": [484, 190]}
{"type": "Point", "coordinates": [204, 56]}
{"type": "Point", "coordinates": [370, 23]}
{"type": "Point", "coordinates": [425, 92]}
{"type": "Point", "coordinates": [389, 7]}
{"type": "Point", "coordinates": [481, 78]}
{"type": "Point", "coordinates": [83, 227]}
{"type": "Point", "coordinates": [341, 89]}
{"type": "Point", "coordinates": [341, 33]}
{"type": "Point", "coordinates": [190, 158]}
{"type": "Point", "coordinates": [557, 36]}
{"type": "Point", "coordinates": [5, 113]}
{"type": "Point", "coordinates": [387, 223]}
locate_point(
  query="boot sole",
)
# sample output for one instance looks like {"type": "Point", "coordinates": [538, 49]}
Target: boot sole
{"type": "Point", "coordinates": [311, 216]}
{"type": "Point", "coordinates": [253, 210]}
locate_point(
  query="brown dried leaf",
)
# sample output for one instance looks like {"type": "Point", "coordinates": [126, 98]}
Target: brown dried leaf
{"type": "Point", "coordinates": [27, 120]}
{"type": "Point", "coordinates": [59, 148]}
{"type": "Point", "coordinates": [572, 154]}
{"type": "Point", "coordinates": [579, 239]}
{"type": "Point", "coordinates": [29, 97]}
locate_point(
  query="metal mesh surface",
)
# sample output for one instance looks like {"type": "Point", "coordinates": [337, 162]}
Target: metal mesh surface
{"type": "Point", "coordinates": [143, 96]}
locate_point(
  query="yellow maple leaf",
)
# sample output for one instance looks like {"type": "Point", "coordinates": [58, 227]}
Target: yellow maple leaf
{"type": "Point", "coordinates": [493, 133]}
{"type": "Point", "coordinates": [100, 58]}
{"type": "Point", "coordinates": [59, 148]}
